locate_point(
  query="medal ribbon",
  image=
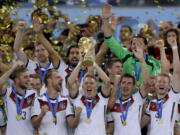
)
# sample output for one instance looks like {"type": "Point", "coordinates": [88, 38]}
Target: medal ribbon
{"type": "Point", "coordinates": [82, 72]}
{"type": "Point", "coordinates": [45, 71]}
{"type": "Point", "coordinates": [124, 115]}
{"type": "Point", "coordinates": [137, 74]}
{"type": "Point", "coordinates": [159, 109]}
{"type": "Point", "coordinates": [88, 110]}
{"type": "Point", "coordinates": [118, 92]}
{"type": "Point", "coordinates": [51, 107]}
{"type": "Point", "coordinates": [19, 108]}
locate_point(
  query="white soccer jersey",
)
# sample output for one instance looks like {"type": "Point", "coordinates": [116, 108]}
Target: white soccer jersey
{"type": "Point", "coordinates": [97, 124]}
{"type": "Point", "coordinates": [63, 72]}
{"type": "Point", "coordinates": [133, 119]}
{"type": "Point", "coordinates": [169, 115]}
{"type": "Point", "coordinates": [47, 126]}
{"type": "Point", "coordinates": [23, 126]}
{"type": "Point", "coordinates": [32, 67]}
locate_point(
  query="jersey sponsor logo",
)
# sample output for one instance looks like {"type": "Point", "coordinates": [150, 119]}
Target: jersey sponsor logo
{"type": "Point", "coordinates": [117, 108]}
{"type": "Point", "coordinates": [27, 101]}
{"type": "Point", "coordinates": [62, 105]}
{"type": "Point", "coordinates": [153, 104]}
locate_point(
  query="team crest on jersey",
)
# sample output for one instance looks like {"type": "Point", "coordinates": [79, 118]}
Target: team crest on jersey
{"type": "Point", "coordinates": [29, 100]}
{"type": "Point", "coordinates": [62, 105]}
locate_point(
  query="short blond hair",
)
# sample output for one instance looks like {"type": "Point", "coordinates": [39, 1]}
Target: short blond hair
{"type": "Point", "coordinates": [165, 75]}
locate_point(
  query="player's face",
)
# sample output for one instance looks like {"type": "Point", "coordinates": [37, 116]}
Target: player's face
{"type": "Point", "coordinates": [24, 80]}
{"type": "Point", "coordinates": [162, 85]}
{"type": "Point", "coordinates": [116, 69]}
{"type": "Point", "coordinates": [151, 86]}
{"type": "Point", "coordinates": [56, 81]}
{"type": "Point", "coordinates": [36, 84]}
{"type": "Point", "coordinates": [135, 43]}
{"type": "Point", "coordinates": [90, 85]}
{"type": "Point", "coordinates": [41, 53]}
{"type": "Point", "coordinates": [74, 56]}
{"type": "Point", "coordinates": [126, 86]}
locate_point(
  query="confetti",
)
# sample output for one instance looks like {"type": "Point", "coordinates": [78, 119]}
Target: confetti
{"type": "Point", "coordinates": [156, 1]}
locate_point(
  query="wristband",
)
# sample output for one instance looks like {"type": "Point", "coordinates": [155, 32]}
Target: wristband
{"type": "Point", "coordinates": [174, 47]}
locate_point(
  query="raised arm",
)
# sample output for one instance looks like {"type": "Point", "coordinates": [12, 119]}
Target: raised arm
{"type": "Point", "coordinates": [113, 96]}
{"type": "Point", "coordinates": [73, 79]}
{"type": "Point", "coordinates": [54, 57]}
{"type": "Point", "coordinates": [165, 64]}
{"type": "Point", "coordinates": [101, 53]}
{"type": "Point", "coordinates": [106, 81]}
{"type": "Point", "coordinates": [18, 42]}
{"type": "Point", "coordinates": [140, 56]}
{"type": "Point", "coordinates": [108, 29]}
{"type": "Point", "coordinates": [176, 65]}
{"type": "Point", "coordinates": [4, 78]}
{"type": "Point", "coordinates": [4, 67]}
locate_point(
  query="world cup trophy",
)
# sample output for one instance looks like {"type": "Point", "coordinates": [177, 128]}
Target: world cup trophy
{"type": "Point", "coordinates": [85, 44]}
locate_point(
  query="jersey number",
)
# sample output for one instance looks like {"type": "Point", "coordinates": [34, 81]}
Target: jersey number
{"type": "Point", "coordinates": [23, 114]}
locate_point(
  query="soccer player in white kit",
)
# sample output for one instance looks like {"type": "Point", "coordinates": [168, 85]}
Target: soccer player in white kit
{"type": "Point", "coordinates": [51, 111]}
{"type": "Point", "coordinates": [125, 116]}
{"type": "Point", "coordinates": [63, 68]}
{"type": "Point", "coordinates": [42, 65]}
{"type": "Point", "coordinates": [92, 119]}
{"type": "Point", "coordinates": [162, 112]}
{"type": "Point", "coordinates": [18, 100]}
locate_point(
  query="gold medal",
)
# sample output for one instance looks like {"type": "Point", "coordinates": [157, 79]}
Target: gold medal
{"type": "Point", "coordinates": [160, 121]}
{"type": "Point", "coordinates": [138, 83]}
{"type": "Point", "coordinates": [18, 117]}
{"type": "Point", "coordinates": [54, 120]}
{"type": "Point", "coordinates": [43, 87]}
{"type": "Point", "coordinates": [124, 123]}
{"type": "Point", "coordinates": [88, 120]}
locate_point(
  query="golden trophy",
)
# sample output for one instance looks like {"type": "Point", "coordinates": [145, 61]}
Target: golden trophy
{"type": "Point", "coordinates": [85, 44]}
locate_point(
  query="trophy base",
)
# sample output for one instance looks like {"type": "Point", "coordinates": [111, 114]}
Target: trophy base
{"type": "Point", "coordinates": [87, 63]}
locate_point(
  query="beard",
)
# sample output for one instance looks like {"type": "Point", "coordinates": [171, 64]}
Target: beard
{"type": "Point", "coordinates": [22, 86]}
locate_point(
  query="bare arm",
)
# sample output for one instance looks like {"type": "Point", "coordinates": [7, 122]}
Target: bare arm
{"type": "Point", "coordinates": [140, 56]}
{"type": "Point", "coordinates": [18, 42]}
{"type": "Point", "coordinates": [4, 67]}
{"type": "Point", "coordinates": [106, 81]}
{"type": "Point", "coordinates": [54, 57]}
{"type": "Point", "coordinates": [176, 67]}
{"type": "Point", "coordinates": [74, 121]}
{"type": "Point", "coordinates": [101, 53]}
{"type": "Point", "coordinates": [113, 96]}
{"type": "Point", "coordinates": [165, 64]}
{"type": "Point", "coordinates": [176, 130]}
{"type": "Point", "coordinates": [108, 28]}
{"type": "Point", "coordinates": [72, 80]}
{"type": "Point", "coordinates": [36, 120]}
{"type": "Point", "coordinates": [145, 120]}
{"type": "Point", "coordinates": [110, 128]}
{"type": "Point", "coordinates": [4, 78]}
